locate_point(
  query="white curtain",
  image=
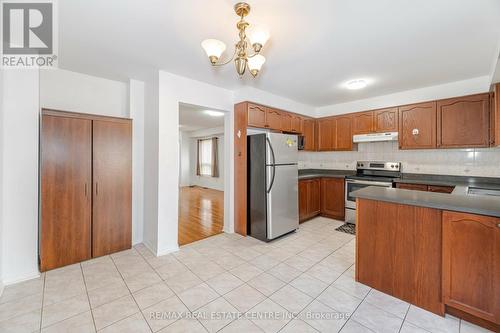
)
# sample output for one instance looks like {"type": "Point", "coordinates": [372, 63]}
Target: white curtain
{"type": "Point", "coordinates": [205, 157]}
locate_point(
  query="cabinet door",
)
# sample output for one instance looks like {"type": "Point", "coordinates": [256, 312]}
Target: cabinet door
{"type": "Point", "coordinates": [417, 126]}
{"type": "Point", "coordinates": [344, 133]}
{"type": "Point", "coordinates": [273, 119]}
{"type": "Point", "coordinates": [326, 134]}
{"type": "Point", "coordinates": [303, 196]}
{"type": "Point", "coordinates": [441, 189]}
{"type": "Point", "coordinates": [414, 187]}
{"type": "Point", "coordinates": [314, 197]}
{"type": "Point", "coordinates": [463, 122]}
{"type": "Point", "coordinates": [256, 116]}
{"type": "Point", "coordinates": [286, 122]}
{"type": "Point", "coordinates": [471, 264]}
{"type": "Point", "coordinates": [386, 120]}
{"type": "Point", "coordinates": [309, 134]}
{"type": "Point", "coordinates": [112, 198]}
{"type": "Point", "coordinates": [362, 122]}
{"type": "Point", "coordinates": [495, 116]}
{"type": "Point", "coordinates": [296, 124]}
{"type": "Point", "coordinates": [66, 180]}
{"type": "Point", "coordinates": [332, 198]}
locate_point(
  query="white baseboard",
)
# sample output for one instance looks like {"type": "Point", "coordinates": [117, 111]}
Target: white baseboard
{"type": "Point", "coordinates": [34, 275]}
{"type": "Point", "coordinates": [167, 251]}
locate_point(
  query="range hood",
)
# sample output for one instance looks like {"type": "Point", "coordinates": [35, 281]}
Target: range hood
{"type": "Point", "coordinates": [375, 137]}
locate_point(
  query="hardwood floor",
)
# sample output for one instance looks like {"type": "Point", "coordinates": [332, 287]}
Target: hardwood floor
{"type": "Point", "coordinates": [201, 213]}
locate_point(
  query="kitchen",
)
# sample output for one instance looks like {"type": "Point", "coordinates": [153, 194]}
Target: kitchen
{"type": "Point", "coordinates": [359, 192]}
{"type": "Point", "coordinates": [338, 169]}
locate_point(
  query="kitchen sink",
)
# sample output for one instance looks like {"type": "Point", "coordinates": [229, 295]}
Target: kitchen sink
{"type": "Point", "coordinates": [483, 191]}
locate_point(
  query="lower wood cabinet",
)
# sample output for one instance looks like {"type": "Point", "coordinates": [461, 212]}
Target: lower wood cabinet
{"type": "Point", "coordinates": [321, 196]}
{"type": "Point", "coordinates": [86, 187]}
{"type": "Point", "coordinates": [398, 252]}
{"type": "Point", "coordinates": [332, 198]}
{"type": "Point", "coordinates": [471, 264]}
{"type": "Point", "coordinates": [309, 199]}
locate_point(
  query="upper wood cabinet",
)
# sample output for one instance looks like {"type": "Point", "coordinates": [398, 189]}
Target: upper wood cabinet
{"type": "Point", "coordinates": [362, 122]}
{"type": "Point", "coordinates": [343, 133]}
{"type": "Point", "coordinates": [471, 264]}
{"type": "Point", "coordinates": [286, 122]}
{"type": "Point", "coordinates": [495, 116]}
{"type": "Point", "coordinates": [332, 198]}
{"type": "Point", "coordinates": [296, 124]}
{"type": "Point", "coordinates": [273, 118]}
{"type": "Point", "coordinates": [417, 126]}
{"type": "Point", "coordinates": [463, 122]}
{"type": "Point", "coordinates": [309, 133]}
{"type": "Point", "coordinates": [326, 134]}
{"type": "Point", "coordinates": [256, 115]}
{"type": "Point", "coordinates": [386, 120]}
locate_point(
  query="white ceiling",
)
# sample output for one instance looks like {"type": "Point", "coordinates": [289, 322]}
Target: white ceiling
{"type": "Point", "coordinates": [193, 118]}
{"type": "Point", "coordinates": [315, 45]}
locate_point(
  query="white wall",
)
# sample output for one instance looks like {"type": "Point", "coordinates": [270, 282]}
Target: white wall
{"type": "Point", "coordinates": [266, 98]}
{"type": "Point", "coordinates": [216, 183]}
{"type": "Point", "coordinates": [70, 91]}
{"type": "Point", "coordinates": [151, 143]}
{"type": "Point", "coordinates": [185, 159]}
{"type": "Point", "coordinates": [20, 175]}
{"type": "Point", "coordinates": [174, 89]}
{"type": "Point", "coordinates": [482, 162]}
{"type": "Point", "coordinates": [453, 89]}
{"type": "Point", "coordinates": [136, 95]}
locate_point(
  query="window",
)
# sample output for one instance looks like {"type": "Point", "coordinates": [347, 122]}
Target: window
{"type": "Point", "coordinates": [205, 157]}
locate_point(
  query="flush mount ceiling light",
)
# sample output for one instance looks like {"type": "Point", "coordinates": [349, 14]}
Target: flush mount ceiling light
{"type": "Point", "coordinates": [257, 38]}
{"type": "Point", "coordinates": [356, 84]}
{"type": "Point", "coordinates": [214, 113]}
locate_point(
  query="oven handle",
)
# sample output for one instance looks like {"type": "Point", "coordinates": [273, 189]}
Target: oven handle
{"type": "Point", "coordinates": [384, 184]}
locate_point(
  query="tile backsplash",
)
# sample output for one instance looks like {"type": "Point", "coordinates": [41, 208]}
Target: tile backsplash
{"type": "Point", "coordinates": [461, 162]}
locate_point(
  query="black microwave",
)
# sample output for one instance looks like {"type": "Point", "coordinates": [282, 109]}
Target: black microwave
{"type": "Point", "coordinates": [300, 142]}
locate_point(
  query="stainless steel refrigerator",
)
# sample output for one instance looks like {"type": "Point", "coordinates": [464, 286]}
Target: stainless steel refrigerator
{"type": "Point", "coordinates": [272, 185]}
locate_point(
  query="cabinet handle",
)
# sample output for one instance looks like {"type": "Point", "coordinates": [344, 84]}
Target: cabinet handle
{"type": "Point", "coordinates": [96, 188]}
{"type": "Point", "coordinates": [85, 189]}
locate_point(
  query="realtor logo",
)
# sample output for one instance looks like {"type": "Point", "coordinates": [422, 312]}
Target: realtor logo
{"type": "Point", "coordinates": [28, 34]}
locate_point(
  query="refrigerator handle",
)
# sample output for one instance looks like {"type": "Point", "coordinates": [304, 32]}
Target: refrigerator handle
{"type": "Point", "coordinates": [272, 165]}
{"type": "Point", "coordinates": [271, 149]}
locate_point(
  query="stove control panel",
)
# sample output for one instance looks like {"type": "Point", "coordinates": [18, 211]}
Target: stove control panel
{"type": "Point", "coordinates": [378, 165]}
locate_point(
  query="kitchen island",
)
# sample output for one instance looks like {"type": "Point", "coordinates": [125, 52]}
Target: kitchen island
{"type": "Point", "coordinates": [438, 251]}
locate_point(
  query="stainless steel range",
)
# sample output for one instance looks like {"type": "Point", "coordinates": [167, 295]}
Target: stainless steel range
{"type": "Point", "coordinates": [368, 173]}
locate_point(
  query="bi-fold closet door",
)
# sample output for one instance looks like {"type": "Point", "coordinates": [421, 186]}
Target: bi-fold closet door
{"type": "Point", "coordinates": [86, 187]}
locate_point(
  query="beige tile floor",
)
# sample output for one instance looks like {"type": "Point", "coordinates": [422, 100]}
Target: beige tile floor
{"type": "Point", "coordinates": [301, 283]}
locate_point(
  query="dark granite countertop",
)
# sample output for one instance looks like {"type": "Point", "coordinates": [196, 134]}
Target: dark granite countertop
{"type": "Point", "coordinates": [317, 173]}
{"type": "Point", "coordinates": [460, 202]}
{"type": "Point", "coordinates": [446, 180]}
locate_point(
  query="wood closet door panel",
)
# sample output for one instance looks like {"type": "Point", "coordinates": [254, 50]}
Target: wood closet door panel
{"type": "Point", "coordinates": [66, 180]}
{"type": "Point", "coordinates": [112, 188]}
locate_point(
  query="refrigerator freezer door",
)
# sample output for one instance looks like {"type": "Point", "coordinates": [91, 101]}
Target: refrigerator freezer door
{"type": "Point", "coordinates": [284, 147]}
{"type": "Point", "coordinates": [282, 200]}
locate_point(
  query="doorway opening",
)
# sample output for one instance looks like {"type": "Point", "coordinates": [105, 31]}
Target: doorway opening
{"type": "Point", "coordinates": [201, 172]}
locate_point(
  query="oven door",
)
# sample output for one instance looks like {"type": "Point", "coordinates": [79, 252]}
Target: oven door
{"type": "Point", "coordinates": [354, 185]}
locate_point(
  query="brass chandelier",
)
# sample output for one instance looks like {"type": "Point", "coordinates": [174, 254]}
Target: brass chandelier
{"type": "Point", "coordinates": [257, 37]}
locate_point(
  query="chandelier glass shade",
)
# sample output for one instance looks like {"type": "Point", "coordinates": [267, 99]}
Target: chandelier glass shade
{"type": "Point", "coordinates": [246, 51]}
